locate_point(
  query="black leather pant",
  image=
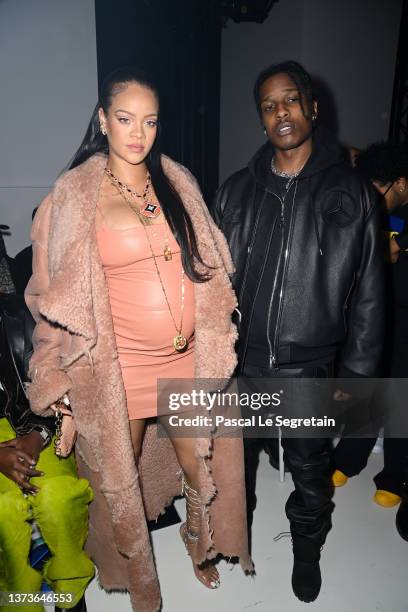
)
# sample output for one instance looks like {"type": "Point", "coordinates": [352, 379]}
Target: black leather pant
{"type": "Point", "coordinates": [310, 461]}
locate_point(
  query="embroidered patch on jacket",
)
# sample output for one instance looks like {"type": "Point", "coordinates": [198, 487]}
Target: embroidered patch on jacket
{"type": "Point", "coordinates": [338, 208]}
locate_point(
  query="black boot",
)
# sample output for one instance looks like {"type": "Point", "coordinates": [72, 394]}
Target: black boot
{"type": "Point", "coordinates": [80, 607]}
{"type": "Point", "coordinates": [306, 577]}
{"type": "Point", "coordinates": [401, 520]}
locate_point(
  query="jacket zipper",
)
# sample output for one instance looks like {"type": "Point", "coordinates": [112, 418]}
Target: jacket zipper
{"type": "Point", "coordinates": [273, 361]}
{"type": "Point", "coordinates": [272, 357]}
{"type": "Point", "coordinates": [245, 344]}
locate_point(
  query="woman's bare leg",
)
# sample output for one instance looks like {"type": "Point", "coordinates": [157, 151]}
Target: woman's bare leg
{"type": "Point", "coordinates": [137, 428]}
{"type": "Point", "coordinates": [185, 451]}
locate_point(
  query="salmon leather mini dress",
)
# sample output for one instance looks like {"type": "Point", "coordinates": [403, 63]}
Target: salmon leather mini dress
{"type": "Point", "coordinates": [143, 326]}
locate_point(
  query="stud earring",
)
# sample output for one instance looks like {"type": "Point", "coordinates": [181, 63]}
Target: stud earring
{"type": "Point", "coordinates": [314, 117]}
{"type": "Point", "coordinates": [103, 129]}
{"type": "Point", "coordinates": [264, 131]}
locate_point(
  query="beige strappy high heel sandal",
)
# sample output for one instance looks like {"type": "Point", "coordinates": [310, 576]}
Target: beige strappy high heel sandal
{"type": "Point", "coordinates": [206, 573]}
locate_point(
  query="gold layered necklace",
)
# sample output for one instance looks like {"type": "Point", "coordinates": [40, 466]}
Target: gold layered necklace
{"type": "Point", "coordinates": [125, 191]}
{"type": "Point", "coordinates": [180, 342]}
{"type": "Point", "coordinates": [149, 209]}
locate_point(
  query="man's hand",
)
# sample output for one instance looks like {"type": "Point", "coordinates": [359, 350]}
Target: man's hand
{"type": "Point", "coordinates": [31, 444]}
{"type": "Point", "coordinates": [341, 396]}
{"type": "Point", "coordinates": [394, 251]}
{"type": "Point", "coordinates": [18, 465]}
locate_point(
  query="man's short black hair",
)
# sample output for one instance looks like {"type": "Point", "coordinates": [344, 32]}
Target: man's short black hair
{"type": "Point", "coordinates": [383, 162]}
{"type": "Point", "coordinates": [299, 76]}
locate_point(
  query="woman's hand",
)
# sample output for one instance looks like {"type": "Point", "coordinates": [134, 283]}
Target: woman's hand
{"type": "Point", "coordinates": [63, 408]}
{"type": "Point", "coordinates": [18, 465]}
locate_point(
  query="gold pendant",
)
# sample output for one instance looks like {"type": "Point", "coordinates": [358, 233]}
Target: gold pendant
{"type": "Point", "coordinates": [168, 255]}
{"type": "Point", "coordinates": [180, 343]}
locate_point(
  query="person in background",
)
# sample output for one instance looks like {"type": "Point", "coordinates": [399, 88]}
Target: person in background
{"type": "Point", "coordinates": [22, 266]}
{"type": "Point", "coordinates": [35, 485]}
{"type": "Point", "coordinates": [6, 266]}
{"type": "Point", "coordinates": [353, 153]}
{"type": "Point", "coordinates": [386, 166]}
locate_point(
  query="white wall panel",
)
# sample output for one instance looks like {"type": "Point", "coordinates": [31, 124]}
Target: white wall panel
{"type": "Point", "coordinates": [48, 86]}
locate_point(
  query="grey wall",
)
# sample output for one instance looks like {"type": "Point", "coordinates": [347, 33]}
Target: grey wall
{"type": "Point", "coordinates": [48, 89]}
{"type": "Point", "coordinates": [349, 46]}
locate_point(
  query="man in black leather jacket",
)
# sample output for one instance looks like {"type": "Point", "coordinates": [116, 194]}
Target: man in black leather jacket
{"type": "Point", "coordinates": [303, 230]}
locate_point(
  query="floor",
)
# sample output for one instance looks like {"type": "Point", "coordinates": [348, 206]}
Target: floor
{"type": "Point", "coordinates": [364, 562]}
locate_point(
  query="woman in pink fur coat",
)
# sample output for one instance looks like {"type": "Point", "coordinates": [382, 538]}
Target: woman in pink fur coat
{"type": "Point", "coordinates": [130, 284]}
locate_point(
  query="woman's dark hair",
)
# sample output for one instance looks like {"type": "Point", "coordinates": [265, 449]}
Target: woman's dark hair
{"type": "Point", "coordinates": [299, 76]}
{"type": "Point", "coordinates": [170, 201]}
{"type": "Point", "coordinates": [383, 162]}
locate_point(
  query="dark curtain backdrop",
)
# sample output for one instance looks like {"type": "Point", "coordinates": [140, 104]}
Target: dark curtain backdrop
{"type": "Point", "coordinates": [399, 114]}
{"type": "Point", "coordinates": [178, 42]}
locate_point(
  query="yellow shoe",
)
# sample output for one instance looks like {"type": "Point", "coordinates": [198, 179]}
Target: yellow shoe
{"type": "Point", "coordinates": [386, 498]}
{"type": "Point", "coordinates": [339, 479]}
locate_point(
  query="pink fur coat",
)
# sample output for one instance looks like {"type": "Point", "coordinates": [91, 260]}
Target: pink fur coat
{"type": "Point", "coordinates": [75, 352]}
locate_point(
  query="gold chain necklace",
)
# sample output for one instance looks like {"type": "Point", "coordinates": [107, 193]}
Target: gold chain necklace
{"type": "Point", "coordinates": [149, 210]}
{"type": "Point", "coordinates": [168, 255]}
{"type": "Point", "coordinates": [180, 342]}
